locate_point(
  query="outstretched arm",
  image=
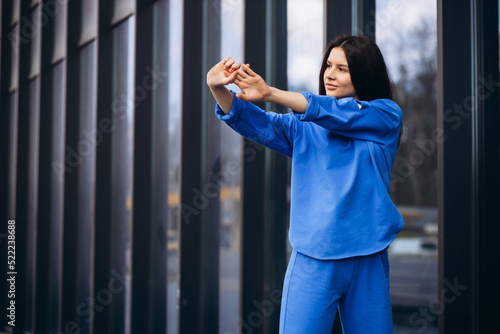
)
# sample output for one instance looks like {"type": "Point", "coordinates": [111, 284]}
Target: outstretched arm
{"type": "Point", "coordinates": [255, 89]}
{"type": "Point", "coordinates": [223, 73]}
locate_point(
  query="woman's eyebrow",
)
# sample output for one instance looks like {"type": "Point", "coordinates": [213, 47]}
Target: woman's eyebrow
{"type": "Point", "coordinates": [340, 65]}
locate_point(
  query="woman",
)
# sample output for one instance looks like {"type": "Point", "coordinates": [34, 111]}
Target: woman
{"type": "Point", "coordinates": [342, 143]}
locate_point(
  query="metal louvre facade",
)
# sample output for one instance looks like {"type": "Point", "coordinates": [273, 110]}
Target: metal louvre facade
{"type": "Point", "coordinates": [84, 148]}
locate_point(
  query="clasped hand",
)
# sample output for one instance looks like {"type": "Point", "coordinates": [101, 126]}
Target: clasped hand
{"type": "Point", "coordinates": [229, 71]}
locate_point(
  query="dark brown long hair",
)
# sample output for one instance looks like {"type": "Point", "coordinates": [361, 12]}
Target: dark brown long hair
{"type": "Point", "coordinates": [369, 74]}
{"type": "Point", "coordinates": [367, 67]}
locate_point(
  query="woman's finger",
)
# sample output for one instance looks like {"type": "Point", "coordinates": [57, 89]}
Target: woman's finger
{"type": "Point", "coordinates": [229, 77]}
{"type": "Point", "coordinates": [229, 63]}
{"type": "Point", "coordinates": [240, 77]}
{"type": "Point", "coordinates": [243, 73]}
{"type": "Point", "coordinates": [249, 70]}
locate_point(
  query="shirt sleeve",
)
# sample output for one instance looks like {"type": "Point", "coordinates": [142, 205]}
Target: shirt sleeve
{"type": "Point", "coordinates": [378, 120]}
{"type": "Point", "coordinates": [270, 129]}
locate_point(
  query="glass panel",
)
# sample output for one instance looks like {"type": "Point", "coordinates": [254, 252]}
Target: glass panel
{"type": "Point", "coordinates": [174, 121]}
{"type": "Point", "coordinates": [305, 44]}
{"type": "Point", "coordinates": [231, 14]}
{"type": "Point", "coordinates": [406, 33]}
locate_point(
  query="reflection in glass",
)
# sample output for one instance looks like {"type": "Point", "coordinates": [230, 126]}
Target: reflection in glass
{"type": "Point", "coordinates": [305, 44]}
{"type": "Point", "coordinates": [230, 194]}
{"type": "Point", "coordinates": [406, 34]}
{"type": "Point", "coordinates": [174, 119]}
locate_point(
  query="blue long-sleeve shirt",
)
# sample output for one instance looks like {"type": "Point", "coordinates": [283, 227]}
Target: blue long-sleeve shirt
{"type": "Point", "coordinates": [342, 155]}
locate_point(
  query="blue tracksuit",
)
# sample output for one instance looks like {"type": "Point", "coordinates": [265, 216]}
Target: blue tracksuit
{"type": "Point", "coordinates": [342, 156]}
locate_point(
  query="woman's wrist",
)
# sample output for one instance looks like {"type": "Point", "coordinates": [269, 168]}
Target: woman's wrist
{"type": "Point", "coordinates": [270, 96]}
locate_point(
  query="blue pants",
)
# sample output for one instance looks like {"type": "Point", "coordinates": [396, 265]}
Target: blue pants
{"type": "Point", "coordinates": [358, 287]}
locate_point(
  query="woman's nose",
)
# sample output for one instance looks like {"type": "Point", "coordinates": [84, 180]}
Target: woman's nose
{"type": "Point", "coordinates": [329, 72]}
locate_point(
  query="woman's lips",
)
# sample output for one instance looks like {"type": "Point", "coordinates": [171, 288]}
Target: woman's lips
{"type": "Point", "coordinates": [331, 86]}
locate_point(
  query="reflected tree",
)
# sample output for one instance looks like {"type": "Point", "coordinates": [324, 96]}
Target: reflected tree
{"type": "Point", "coordinates": [414, 179]}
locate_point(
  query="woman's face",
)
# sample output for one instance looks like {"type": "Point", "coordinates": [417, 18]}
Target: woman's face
{"type": "Point", "coordinates": [337, 77]}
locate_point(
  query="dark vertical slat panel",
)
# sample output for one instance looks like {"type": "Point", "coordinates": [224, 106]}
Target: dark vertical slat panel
{"type": "Point", "coordinates": [50, 215]}
{"type": "Point", "coordinates": [456, 221]}
{"type": "Point", "coordinates": [210, 173]}
{"type": "Point", "coordinates": [142, 171]}
{"type": "Point", "coordinates": [337, 19]}
{"type": "Point", "coordinates": [103, 163]}
{"type": "Point", "coordinates": [253, 178]}
{"type": "Point", "coordinates": [51, 189]}
{"type": "Point", "coordinates": [70, 172]}
{"type": "Point", "coordinates": [75, 305]}
{"type": "Point", "coordinates": [200, 160]}
{"type": "Point", "coordinates": [366, 18]}
{"type": "Point", "coordinates": [89, 135]}
{"type": "Point", "coordinates": [82, 137]}
{"type": "Point", "coordinates": [123, 92]}
{"type": "Point", "coordinates": [29, 104]}
{"type": "Point", "coordinates": [191, 162]}
{"type": "Point", "coordinates": [55, 268]}
{"type": "Point", "coordinates": [44, 190]}
{"type": "Point", "coordinates": [489, 165]}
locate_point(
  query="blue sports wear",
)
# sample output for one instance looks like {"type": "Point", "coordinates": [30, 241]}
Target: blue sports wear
{"type": "Point", "coordinates": [342, 154]}
{"type": "Point", "coordinates": [357, 286]}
